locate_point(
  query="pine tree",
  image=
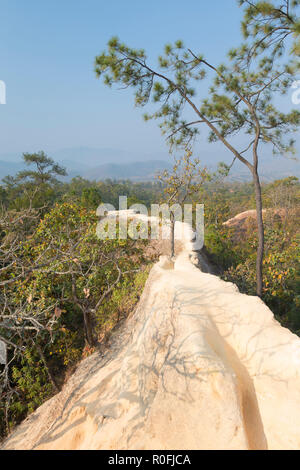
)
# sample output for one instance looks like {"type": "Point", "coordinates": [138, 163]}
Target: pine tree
{"type": "Point", "coordinates": [240, 101]}
{"type": "Point", "coordinates": [270, 24]}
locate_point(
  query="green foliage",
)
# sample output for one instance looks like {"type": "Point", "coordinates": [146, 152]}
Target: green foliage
{"type": "Point", "coordinates": [281, 281]}
{"type": "Point", "coordinates": [121, 302]}
{"type": "Point", "coordinates": [90, 193]}
{"type": "Point", "coordinates": [91, 198]}
{"type": "Point", "coordinates": [220, 246]}
{"type": "Point", "coordinates": [185, 180]}
{"type": "Point", "coordinates": [83, 285]}
{"type": "Point", "coordinates": [270, 24]}
{"type": "Point", "coordinates": [233, 249]}
{"type": "Point", "coordinates": [45, 172]}
{"type": "Point", "coordinates": [31, 380]}
{"type": "Point", "coordinates": [221, 202]}
{"type": "Point", "coordinates": [35, 187]}
{"type": "Point", "coordinates": [181, 185]}
{"type": "Point", "coordinates": [86, 267]}
{"type": "Point", "coordinates": [239, 100]}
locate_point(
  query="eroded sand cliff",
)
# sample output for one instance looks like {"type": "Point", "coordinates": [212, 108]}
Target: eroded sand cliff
{"type": "Point", "coordinates": [197, 366]}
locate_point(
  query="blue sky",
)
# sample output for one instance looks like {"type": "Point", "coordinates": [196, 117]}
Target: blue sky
{"type": "Point", "coordinates": [47, 50]}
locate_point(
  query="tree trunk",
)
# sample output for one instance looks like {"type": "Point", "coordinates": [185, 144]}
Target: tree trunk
{"type": "Point", "coordinates": [260, 228]}
{"type": "Point", "coordinates": [172, 217]}
{"type": "Point", "coordinates": [88, 329]}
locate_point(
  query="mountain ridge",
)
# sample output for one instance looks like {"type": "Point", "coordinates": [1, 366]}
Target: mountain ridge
{"type": "Point", "coordinates": [112, 163]}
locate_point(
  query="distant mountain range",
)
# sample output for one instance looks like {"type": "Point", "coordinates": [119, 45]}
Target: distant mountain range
{"type": "Point", "coordinates": [99, 164]}
{"type": "Point", "coordinates": [141, 171]}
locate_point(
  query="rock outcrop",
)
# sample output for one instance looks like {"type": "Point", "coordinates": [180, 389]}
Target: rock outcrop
{"type": "Point", "coordinates": [197, 366]}
{"type": "Point", "coordinates": [241, 220]}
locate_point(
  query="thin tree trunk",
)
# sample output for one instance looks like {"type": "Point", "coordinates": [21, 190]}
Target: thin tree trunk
{"type": "Point", "coordinates": [7, 425]}
{"type": "Point", "coordinates": [172, 235]}
{"type": "Point", "coordinates": [260, 227]}
{"type": "Point", "coordinates": [88, 329]}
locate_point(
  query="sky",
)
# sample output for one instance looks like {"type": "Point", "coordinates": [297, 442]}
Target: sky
{"type": "Point", "coordinates": [47, 51]}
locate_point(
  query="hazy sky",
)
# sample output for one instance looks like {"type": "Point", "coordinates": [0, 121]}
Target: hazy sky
{"type": "Point", "coordinates": [47, 50]}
